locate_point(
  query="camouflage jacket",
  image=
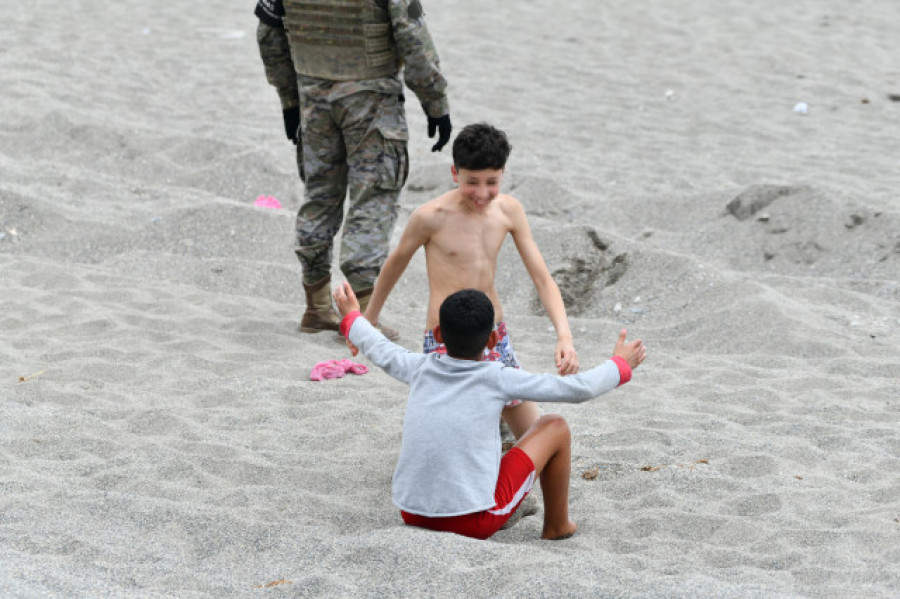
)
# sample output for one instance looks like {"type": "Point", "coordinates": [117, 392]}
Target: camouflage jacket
{"type": "Point", "coordinates": [421, 70]}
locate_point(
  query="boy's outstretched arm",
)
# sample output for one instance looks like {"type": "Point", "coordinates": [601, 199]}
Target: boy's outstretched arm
{"type": "Point", "coordinates": [548, 291]}
{"type": "Point", "coordinates": [390, 357]}
{"type": "Point", "coordinates": [414, 236]}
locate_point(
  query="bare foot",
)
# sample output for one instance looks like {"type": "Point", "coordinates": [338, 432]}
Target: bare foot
{"type": "Point", "coordinates": [561, 533]}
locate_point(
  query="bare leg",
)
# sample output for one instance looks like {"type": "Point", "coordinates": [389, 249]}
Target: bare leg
{"type": "Point", "coordinates": [549, 445]}
{"type": "Point", "coordinates": [520, 418]}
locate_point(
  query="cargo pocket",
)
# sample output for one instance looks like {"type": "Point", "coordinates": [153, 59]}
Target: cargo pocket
{"type": "Point", "coordinates": [394, 160]}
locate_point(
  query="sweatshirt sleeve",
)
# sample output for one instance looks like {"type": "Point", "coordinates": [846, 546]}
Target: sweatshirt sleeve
{"type": "Point", "coordinates": [395, 360]}
{"type": "Point", "coordinates": [575, 388]}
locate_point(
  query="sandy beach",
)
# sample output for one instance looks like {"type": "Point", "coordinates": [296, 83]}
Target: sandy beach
{"type": "Point", "coordinates": [720, 178]}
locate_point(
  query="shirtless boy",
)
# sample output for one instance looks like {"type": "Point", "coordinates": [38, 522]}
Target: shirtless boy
{"type": "Point", "coordinates": [462, 231]}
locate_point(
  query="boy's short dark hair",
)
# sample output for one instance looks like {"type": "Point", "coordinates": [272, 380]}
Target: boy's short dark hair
{"type": "Point", "coordinates": [480, 146]}
{"type": "Point", "coordinates": [467, 319]}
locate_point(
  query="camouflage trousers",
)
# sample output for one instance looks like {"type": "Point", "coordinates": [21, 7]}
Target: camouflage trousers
{"type": "Point", "coordinates": [354, 149]}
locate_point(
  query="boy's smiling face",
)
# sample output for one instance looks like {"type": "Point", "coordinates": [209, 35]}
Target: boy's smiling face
{"type": "Point", "coordinates": [478, 188]}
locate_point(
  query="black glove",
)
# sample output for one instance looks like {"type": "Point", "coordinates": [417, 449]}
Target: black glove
{"type": "Point", "coordinates": [292, 123]}
{"type": "Point", "coordinates": [441, 125]}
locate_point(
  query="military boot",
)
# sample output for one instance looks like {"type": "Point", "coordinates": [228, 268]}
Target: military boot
{"type": "Point", "coordinates": [364, 295]}
{"type": "Point", "coordinates": [319, 315]}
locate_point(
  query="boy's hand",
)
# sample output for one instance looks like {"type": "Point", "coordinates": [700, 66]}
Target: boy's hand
{"type": "Point", "coordinates": [633, 353]}
{"type": "Point", "coordinates": [345, 299]}
{"type": "Point", "coordinates": [566, 358]}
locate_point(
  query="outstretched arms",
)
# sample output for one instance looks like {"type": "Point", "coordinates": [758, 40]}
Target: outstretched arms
{"type": "Point", "coordinates": [580, 387]}
{"type": "Point", "coordinates": [390, 357]}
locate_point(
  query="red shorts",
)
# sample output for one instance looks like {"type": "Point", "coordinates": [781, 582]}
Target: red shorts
{"type": "Point", "coordinates": [513, 484]}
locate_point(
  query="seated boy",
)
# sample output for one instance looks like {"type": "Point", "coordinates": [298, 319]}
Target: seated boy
{"type": "Point", "coordinates": [462, 231]}
{"type": "Point", "coordinates": [450, 475]}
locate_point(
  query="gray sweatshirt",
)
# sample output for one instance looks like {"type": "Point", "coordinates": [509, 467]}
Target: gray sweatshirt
{"type": "Point", "coordinates": [450, 452]}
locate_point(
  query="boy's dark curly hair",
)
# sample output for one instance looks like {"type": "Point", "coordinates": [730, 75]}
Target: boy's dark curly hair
{"type": "Point", "coordinates": [467, 319]}
{"type": "Point", "coordinates": [480, 146]}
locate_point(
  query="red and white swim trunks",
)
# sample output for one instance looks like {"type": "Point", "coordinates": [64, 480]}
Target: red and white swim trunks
{"type": "Point", "coordinates": [514, 482]}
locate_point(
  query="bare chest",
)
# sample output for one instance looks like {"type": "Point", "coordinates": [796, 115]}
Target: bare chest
{"type": "Point", "coordinates": [464, 241]}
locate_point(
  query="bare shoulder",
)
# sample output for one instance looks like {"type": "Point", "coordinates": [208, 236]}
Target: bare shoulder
{"type": "Point", "coordinates": [429, 214]}
{"type": "Point", "coordinates": [436, 206]}
{"type": "Point", "coordinates": [511, 208]}
{"type": "Point", "coordinates": [508, 203]}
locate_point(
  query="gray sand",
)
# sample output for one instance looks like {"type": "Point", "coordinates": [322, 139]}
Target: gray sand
{"type": "Point", "coordinates": [160, 437]}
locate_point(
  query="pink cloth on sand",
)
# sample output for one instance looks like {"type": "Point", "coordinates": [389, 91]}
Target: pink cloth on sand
{"type": "Point", "coordinates": [335, 369]}
{"type": "Point", "coordinates": [267, 202]}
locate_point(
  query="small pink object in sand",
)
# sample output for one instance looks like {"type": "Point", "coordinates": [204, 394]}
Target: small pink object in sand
{"type": "Point", "coordinates": [335, 369]}
{"type": "Point", "coordinates": [267, 202]}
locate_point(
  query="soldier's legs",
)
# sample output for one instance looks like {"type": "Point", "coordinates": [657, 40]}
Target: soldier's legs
{"type": "Point", "coordinates": [375, 136]}
{"type": "Point", "coordinates": [300, 170]}
{"type": "Point", "coordinates": [325, 169]}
